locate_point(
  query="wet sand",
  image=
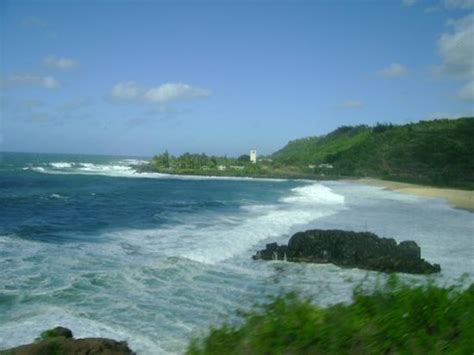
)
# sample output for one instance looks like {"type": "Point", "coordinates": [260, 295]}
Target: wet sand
{"type": "Point", "coordinates": [457, 198]}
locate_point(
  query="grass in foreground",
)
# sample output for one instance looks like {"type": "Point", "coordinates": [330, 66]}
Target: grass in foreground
{"type": "Point", "coordinates": [396, 319]}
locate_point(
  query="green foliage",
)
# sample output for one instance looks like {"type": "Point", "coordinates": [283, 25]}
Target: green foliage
{"type": "Point", "coordinates": [47, 334]}
{"type": "Point", "coordinates": [315, 149]}
{"type": "Point", "coordinates": [381, 127]}
{"type": "Point", "coordinates": [395, 319]}
{"type": "Point", "coordinates": [201, 164]}
{"type": "Point", "coordinates": [162, 160]}
{"type": "Point", "coordinates": [186, 161]}
{"type": "Point", "coordinates": [439, 152]}
{"type": "Point", "coordinates": [244, 158]}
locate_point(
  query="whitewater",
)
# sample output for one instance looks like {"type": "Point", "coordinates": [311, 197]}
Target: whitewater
{"type": "Point", "coordinates": [89, 243]}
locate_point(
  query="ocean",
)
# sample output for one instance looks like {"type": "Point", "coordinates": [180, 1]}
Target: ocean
{"type": "Point", "coordinates": [89, 243]}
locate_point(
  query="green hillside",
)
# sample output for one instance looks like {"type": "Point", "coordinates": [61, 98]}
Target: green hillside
{"type": "Point", "coordinates": [439, 152]}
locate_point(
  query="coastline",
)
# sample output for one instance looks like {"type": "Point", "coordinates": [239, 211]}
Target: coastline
{"type": "Point", "coordinates": [457, 198]}
{"type": "Point", "coordinates": [462, 199]}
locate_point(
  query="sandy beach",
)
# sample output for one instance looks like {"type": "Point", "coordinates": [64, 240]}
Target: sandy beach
{"type": "Point", "coordinates": [457, 198]}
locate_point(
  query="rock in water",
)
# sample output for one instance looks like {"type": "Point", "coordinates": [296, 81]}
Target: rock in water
{"type": "Point", "coordinates": [60, 341]}
{"type": "Point", "coordinates": [56, 332]}
{"type": "Point", "coordinates": [362, 250]}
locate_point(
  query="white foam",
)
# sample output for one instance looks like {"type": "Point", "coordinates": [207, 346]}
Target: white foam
{"type": "Point", "coordinates": [133, 162]}
{"type": "Point", "coordinates": [306, 204]}
{"type": "Point", "coordinates": [106, 169]}
{"type": "Point", "coordinates": [86, 165]}
{"type": "Point", "coordinates": [114, 170]}
{"type": "Point", "coordinates": [213, 241]}
{"type": "Point", "coordinates": [124, 287]}
{"type": "Point", "coordinates": [315, 193]}
{"type": "Point", "coordinates": [124, 168]}
{"type": "Point", "coordinates": [61, 165]}
{"type": "Point", "coordinates": [57, 197]}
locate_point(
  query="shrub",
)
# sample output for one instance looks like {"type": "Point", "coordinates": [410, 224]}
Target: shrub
{"type": "Point", "coordinates": [394, 319]}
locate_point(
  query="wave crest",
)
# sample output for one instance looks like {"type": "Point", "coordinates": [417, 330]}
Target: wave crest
{"type": "Point", "coordinates": [213, 241]}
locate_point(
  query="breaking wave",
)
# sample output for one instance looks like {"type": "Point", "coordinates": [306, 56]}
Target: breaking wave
{"type": "Point", "coordinates": [223, 237]}
{"type": "Point", "coordinates": [124, 168]}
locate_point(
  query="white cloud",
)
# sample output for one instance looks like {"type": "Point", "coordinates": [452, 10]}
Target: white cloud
{"type": "Point", "coordinates": [353, 104]}
{"type": "Point", "coordinates": [126, 91]}
{"type": "Point", "coordinates": [168, 92]}
{"type": "Point", "coordinates": [409, 2]}
{"type": "Point", "coordinates": [394, 70]}
{"type": "Point", "coordinates": [47, 82]}
{"type": "Point", "coordinates": [174, 91]}
{"type": "Point", "coordinates": [456, 50]}
{"type": "Point", "coordinates": [459, 4]}
{"type": "Point", "coordinates": [60, 63]}
{"type": "Point", "coordinates": [467, 92]}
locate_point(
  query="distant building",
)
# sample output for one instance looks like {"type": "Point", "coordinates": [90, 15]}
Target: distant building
{"type": "Point", "coordinates": [253, 156]}
{"type": "Point", "coordinates": [237, 167]}
{"type": "Point", "coordinates": [311, 166]}
{"type": "Point", "coordinates": [221, 167]}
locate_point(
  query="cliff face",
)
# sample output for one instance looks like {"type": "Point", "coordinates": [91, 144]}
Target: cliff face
{"type": "Point", "coordinates": [362, 250]}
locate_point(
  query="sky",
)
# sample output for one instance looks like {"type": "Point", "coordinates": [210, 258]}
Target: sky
{"type": "Point", "coordinates": [222, 77]}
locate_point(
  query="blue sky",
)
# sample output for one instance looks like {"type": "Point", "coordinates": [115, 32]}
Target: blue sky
{"type": "Point", "coordinates": [221, 77]}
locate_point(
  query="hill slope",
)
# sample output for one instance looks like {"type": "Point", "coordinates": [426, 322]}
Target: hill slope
{"type": "Point", "coordinates": [439, 152]}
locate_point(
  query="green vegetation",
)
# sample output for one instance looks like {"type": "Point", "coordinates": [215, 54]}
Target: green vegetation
{"type": "Point", "coordinates": [201, 164]}
{"type": "Point", "coordinates": [47, 334]}
{"type": "Point", "coordinates": [395, 319]}
{"type": "Point", "coordinates": [314, 150]}
{"type": "Point", "coordinates": [438, 152]}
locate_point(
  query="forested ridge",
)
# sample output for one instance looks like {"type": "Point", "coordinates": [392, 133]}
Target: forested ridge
{"type": "Point", "coordinates": [439, 152]}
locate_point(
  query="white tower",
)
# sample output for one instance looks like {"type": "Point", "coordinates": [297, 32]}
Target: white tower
{"type": "Point", "coordinates": [253, 156]}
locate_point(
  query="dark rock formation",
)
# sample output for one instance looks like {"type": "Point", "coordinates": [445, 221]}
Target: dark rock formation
{"type": "Point", "coordinates": [362, 250]}
{"type": "Point", "coordinates": [56, 332]}
{"type": "Point", "coordinates": [60, 341]}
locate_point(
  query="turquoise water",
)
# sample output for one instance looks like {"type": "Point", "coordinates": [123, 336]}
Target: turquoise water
{"type": "Point", "coordinates": [88, 243]}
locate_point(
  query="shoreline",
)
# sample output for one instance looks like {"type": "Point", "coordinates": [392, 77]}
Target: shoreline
{"type": "Point", "coordinates": [457, 198]}
{"type": "Point", "coordinates": [462, 199]}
